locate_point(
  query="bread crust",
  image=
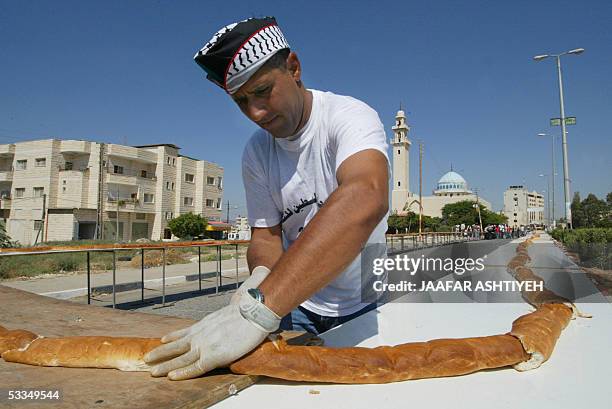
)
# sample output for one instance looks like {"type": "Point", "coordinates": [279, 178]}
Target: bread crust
{"type": "Point", "coordinates": [125, 353]}
{"type": "Point", "coordinates": [431, 359]}
{"type": "Point", "coordinates": [530, 342]}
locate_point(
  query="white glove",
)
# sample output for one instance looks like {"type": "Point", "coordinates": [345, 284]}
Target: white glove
{"type": "Point", "coordinates": [216, 341]}
{"type": "Point", "coordinates": [258, 274]}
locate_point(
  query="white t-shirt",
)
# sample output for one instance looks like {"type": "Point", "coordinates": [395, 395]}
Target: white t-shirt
{"type": "Point", "coordinates": [288, 181]}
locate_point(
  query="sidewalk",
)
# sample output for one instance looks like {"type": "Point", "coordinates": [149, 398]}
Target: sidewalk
{"type": "Point", "coordinates": [75, 285]}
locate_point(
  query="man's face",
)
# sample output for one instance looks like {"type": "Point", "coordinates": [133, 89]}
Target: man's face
{"type": "Point", "coordinates": [272, 99]}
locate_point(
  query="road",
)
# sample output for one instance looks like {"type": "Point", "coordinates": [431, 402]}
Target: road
{"type": "Point", "coordinates": [548, 261]}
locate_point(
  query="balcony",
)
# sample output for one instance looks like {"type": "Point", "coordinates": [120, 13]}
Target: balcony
{"type": "Point", "coordinates": [71, 168]}
{"type": "Point", "coordinates": [129, 152]}
{"type": "Point", "coordinates": [123, 202]}
{"type": "Point", "coordinates": [7, 149]}
{"type": "Point", "coordinates": [130, 176]}
{"type": "Point", "coordinates": [128, 204]}
{"type": "Point", "coordinates": [5, 202]}
{"type": "Point", "coordinates": [73, 146]}
{"type": "Point", "coordinates": [6, 174]}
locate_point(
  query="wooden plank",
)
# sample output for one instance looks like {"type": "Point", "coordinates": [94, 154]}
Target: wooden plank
{"type": "Point", "coordinates": [104, 388]}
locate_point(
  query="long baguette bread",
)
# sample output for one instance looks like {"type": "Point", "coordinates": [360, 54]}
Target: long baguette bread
{"type": "Point", "coordinates": [436, 358]}
{"type": "Point", "coordinates": [125, 354]}
{"type": "Point", "coordinates": [530, 342]}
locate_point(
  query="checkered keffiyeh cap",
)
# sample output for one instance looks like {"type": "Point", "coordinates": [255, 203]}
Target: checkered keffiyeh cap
{"type": "Point", "coordinates": [238, 50]}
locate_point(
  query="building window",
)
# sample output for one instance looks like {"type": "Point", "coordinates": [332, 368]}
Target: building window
{"type": "Point", "coordinates": [172, 185]}
{"type": "Point", "coordinates": [168, 215]}
{"type": "Point", "coordinates": [38, 224]}
{"type": "Point", "coordinates": [21, 164]}
{"type": "Point", "coordinates": [68, 166]}
{"type": "Point", "coordinates": [398, 151]}
{"type": "Point", "coordinates": [63, 189]}
{"type": "Point", "coordinates": [143, 173]}
{"type": "Point", "coordinates": [210, 203]}
{"type": "Point", "coordinates": [173, 161]}
{"type": "Point", "coordinates": [148, 198]}
{"type": "Point", "coordinates": [220, 182]}
{"type": "Point", "coordinates": [118, 169]}
{"type": "Point", "coordinates": [112, 215]}
{"type": "Point", "coordinates": [210, 180]}
{"type": "Point", "coordinates": [39, 191]}
{"type": "Point", "coordinates": [19, 192]}
{"type": "Point", "coordinates": [41, 162]}
{"type": "Point", "coordinates": [189, 178]}
{"type": "Point", "coordinates": [219, 203]}
{"type": "Point", "coordinates": [188, 201]}
{"type": "Point", "coordinates": [168, 160]}
{"type": "Point", "coordinates": [141, 216]}
{"type": "Point", "coordinates": [399, 184]}
{"type": "Point", "coordinates": [167, 185]}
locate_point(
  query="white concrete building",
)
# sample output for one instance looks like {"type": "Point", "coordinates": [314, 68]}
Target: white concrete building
{"type": "Point", "coordinates": [523, 208]}
{"type": "Point", "coordinates": [451, 188]}
{"type": "Point", "coordinates": [71, 189]}
{"type": "Point", "coordinates": [241, 230]}
{"type": "Point", "coordinates": [400, 144]}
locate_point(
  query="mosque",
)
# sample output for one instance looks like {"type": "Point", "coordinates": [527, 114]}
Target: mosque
{"type": "Point", "coordinates": [451, 188]}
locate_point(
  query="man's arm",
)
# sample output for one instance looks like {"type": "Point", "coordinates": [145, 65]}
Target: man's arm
{"type": "Point", "coordinates": [265, 248]}
{"type": "Point", "coordinates": [335, 236]}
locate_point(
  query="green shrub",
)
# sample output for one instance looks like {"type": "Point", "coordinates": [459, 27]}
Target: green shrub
{"type": "Point", "coordinates": [592, 245]}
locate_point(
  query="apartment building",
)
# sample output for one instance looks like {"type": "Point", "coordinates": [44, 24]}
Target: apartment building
{"type": "Point", "coordinates": [241, 230]}
{"type": "Point", "coordinates": [71, 189]}
{"type": "Point", "coordinates": [523, 208]}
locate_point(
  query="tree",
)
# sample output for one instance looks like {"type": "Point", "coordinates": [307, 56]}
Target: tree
{"type": "Point", "coordinates": [5, 239]}
{"type": "Point", "coordinates": [489, 217]}
{"type": "Point", "coordinates": [595, 211]}
{"type": "Point", "coordinates": [188, 225]}
{"type": "Point", "coordinates": [461, 212]}
{"type": "Point", "coordinates": [577, 212]}
{"type": "Point", "coordinates": [401, 224]}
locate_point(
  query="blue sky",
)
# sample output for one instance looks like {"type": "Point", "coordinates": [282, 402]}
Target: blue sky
{"type": "Point", "coordinates": [122, 72]}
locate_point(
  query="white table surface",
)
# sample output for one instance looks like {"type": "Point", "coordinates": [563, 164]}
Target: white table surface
{"type": "Point", "coordinates": [578, 375]}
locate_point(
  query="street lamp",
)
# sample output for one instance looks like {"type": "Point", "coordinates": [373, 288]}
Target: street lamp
{"type": "Point", "coordinates": [566, 180]}
{"type": "Point", "coordinates": [548, 194]}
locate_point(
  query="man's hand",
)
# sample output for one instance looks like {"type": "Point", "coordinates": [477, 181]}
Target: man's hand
{"type": "Point", "coordinates": [216, 341]}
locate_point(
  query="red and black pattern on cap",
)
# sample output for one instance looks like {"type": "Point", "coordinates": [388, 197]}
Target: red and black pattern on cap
{"type": "Point", "coordinates": [236, 47]}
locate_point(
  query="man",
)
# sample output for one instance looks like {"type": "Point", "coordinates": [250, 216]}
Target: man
{"type": "Point", "coordinates": [316, 182]}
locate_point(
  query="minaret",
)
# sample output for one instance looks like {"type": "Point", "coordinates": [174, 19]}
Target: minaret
{"type": "Point", "coordinates": [401, 162]}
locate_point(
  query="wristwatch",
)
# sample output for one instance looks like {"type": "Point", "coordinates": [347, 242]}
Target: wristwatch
{"type": "Point", "coordinates": [254, 310]}
{"type": "Point", "coordinates": [256, 294]}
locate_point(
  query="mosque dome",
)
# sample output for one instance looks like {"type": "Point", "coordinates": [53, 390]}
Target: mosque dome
{"type": "Point", "coordinates": [452, 182]}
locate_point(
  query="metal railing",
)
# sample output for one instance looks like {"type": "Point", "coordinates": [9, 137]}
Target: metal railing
{"type": "Point", "coordinates": [148, 175]}
{"type": "Point", "coordinates": [397, 243]}
{"type": "Point", "coordinates": [114, 248]}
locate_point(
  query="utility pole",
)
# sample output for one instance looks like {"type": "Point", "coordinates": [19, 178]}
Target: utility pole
{"type": "Point", "coordinates": [478, 207]}
{"type": "Point", "coordinates": [566, 179]}
{"type": "Point", "coordinates": [44, 217]}
{"type": "Point", "coordinates": [227, 217]}
{"type": "Point", "coordinates": [420, 187]}
{"type": "Point", "coordinates": [117, 216]}
{"type": "Point", "coordinates": [552, 175]}
{"type": "Point", "coordinates": [42, 231]}
{"type": "Point", "coordinates": [100, 202]}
